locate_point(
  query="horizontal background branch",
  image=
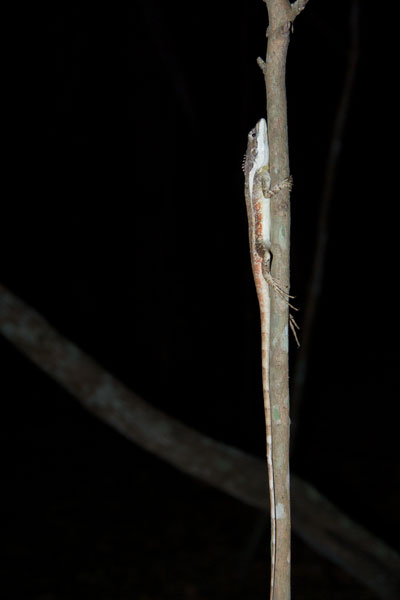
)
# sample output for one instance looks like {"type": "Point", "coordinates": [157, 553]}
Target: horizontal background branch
{"type": "Point", "coordinates": [314, 519]}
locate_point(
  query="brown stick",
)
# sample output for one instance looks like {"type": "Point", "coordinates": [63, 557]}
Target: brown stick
{"type": "Point", "coordinates": [281, 15]}
{"type": "Point", "coordinates": [319, 523]}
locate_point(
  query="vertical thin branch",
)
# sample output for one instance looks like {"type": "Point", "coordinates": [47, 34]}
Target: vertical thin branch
{"type": "Point", "coordinates": [281, 14]}
{"type": "Point", "coordinates": [315, 284]}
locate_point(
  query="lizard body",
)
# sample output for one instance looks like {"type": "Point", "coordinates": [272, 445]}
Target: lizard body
{"type": "Point", "coordinates": [257, 185]}
{"type": "Point", "coordinates": [258, 194]}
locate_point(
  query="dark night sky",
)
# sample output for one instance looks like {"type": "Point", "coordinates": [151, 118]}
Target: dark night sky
{"type": "Point", "coordinates": [124, 225]}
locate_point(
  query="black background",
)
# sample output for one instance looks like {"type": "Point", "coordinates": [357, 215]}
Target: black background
{"type": "Point", "coordinates": [124, 225]}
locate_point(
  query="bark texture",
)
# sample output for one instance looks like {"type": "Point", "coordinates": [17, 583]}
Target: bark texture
{"type": "Point", "coordinates": [281, 14]}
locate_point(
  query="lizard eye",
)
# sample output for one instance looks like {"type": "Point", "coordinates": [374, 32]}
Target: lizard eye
{"type": "Point", "coordinates": [253, 133]}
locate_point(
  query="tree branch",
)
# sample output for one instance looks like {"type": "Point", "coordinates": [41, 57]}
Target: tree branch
{"type": "Point", "coordinates": [319, 523]}
{"type": "Point", "coordinates": [281, 14]}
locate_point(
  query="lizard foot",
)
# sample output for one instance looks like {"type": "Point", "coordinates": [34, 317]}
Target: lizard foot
{"type": "Point", "coordinates": [286, 183]}
{"type": "Point", "coordinates": [281, 292]}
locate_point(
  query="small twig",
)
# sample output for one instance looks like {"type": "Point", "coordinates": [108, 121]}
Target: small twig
{"type": "Point", "coordinates": [261, 64]}
{"type": "Point", "coordinates": [298, 6]}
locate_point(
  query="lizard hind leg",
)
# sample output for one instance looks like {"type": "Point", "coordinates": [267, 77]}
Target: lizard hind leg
{"type": "Point", "coordinates": [275, 285]}
{"type": "Point", "coordinates": [285, 297]}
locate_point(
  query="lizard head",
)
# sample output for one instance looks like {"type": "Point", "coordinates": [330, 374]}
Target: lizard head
{"type": "Point", "coordinates": [257, 148]}
{"type": "Point", "coordinates": [257, 154]}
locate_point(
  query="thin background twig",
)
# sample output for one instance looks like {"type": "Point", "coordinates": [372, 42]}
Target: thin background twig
{"type": "Point", "coordinates": [317, 272]}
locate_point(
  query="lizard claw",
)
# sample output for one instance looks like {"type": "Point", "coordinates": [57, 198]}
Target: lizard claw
{"type": "Point", "coordinates": [293, 327]}
{"type": "Point", "coordinates": [274, 284]}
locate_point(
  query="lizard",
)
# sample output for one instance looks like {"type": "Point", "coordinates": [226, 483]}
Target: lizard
{"type": "Point", "coordinates": [258, 194]}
